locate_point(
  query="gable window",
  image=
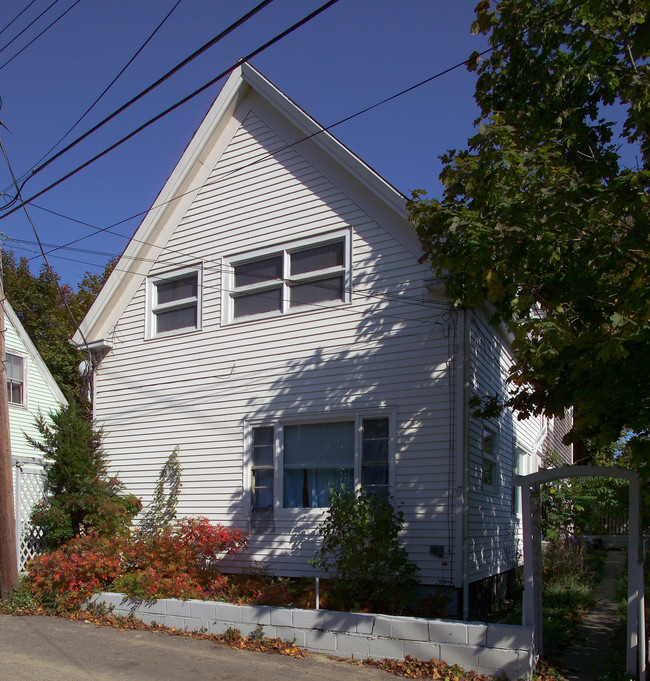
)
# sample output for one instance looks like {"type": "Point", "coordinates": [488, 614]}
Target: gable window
{"type": "Point", "coordinates": [15, 378]}
{"type": "Point", "coordinates": [308, 459]}
{"type": "Point", "coordinates": [175, 302]}
{"type": "Point", "coordinates": [488, 460]}
{"type": "Point", "coordinates": [279, 281]}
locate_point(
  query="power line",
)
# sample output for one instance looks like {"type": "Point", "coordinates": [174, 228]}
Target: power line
{"type": "Point", "coordinates": [110, 85]}
{"type": "Point", "coordinates": [22, 11]}
{"type": "Point", "coordinates": [31, 23]}
{"type": "Point", "coordinates": [40, 245]}
{"type": "Point", "coordinates": [175, 106]}
{"type": "Point", "coordinates": [33, 40]}
{"type": "Point", "coordinates": [216, 267]}
{"type": "Point", "coordinates": [139, 96]}
{"type": "Point", "coordinates": [154, 85]}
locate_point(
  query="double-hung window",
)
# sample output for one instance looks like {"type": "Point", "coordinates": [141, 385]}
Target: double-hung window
{"type": "Point", "coordinates": [296, 465]}
{"type": "Point", "coordinates": [277, 281]}
{"type": "Point", "coordinates": [15, 378]}
{"type": "Point", "coordinates": [174, 302]}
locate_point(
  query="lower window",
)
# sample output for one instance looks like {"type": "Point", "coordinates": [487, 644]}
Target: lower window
{"type": "Point", "coordinates": [308, 460]}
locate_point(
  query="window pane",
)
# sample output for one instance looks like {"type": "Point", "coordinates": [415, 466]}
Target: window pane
{"type": "Point", "coordinates": [177, 289]}
{"type": "Point", "coordinates": [375, 451]}
{"type": "Point", "coordinates": [318, 258]}
{"type": "Point", "coordinates": [171, 320]}
{"type": "Point", "coordinates": [263, 498]}
{"type": "Point", "coordinates": [263, 446]}
{"type": "Point", "coordinates": [263, 435]}
{"type": "Point", "coordinates": [375, 441]}
{"type": "Point", "coordinates": [263, 477]}
{"type": "Point", "coordinates": [310, 488]}
{"type": "Point", "coordinates": [314, 445]}
{"type": "Point", "coordinates": [321, 291]}
{"type": "Point", "coordinates": [14, 367]}
{"type": "Point", "coordinates": [374, 475]}
{"type": "Point", "coordinates": [15, 392]}
{"type": "Point", "coordinates": [488, 443]}
{"type": "Point", "coordinates": [258, 271]}
{"type": "Point", "coordinates": [258, 303]}
{"type": "Point", "coordinates": [488, 473]}
{"type": "Point", "coordinates": [375, 429]}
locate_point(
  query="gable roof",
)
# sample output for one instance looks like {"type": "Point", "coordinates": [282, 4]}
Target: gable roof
{"type": "Point", "coordinates": [33, 352]}
{"type": "Point", "coordinates": [187, 179]}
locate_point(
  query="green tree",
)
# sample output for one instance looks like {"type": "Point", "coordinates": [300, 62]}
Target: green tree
{"type": "Point", "coordinates": [362, 552]}
{"type": "Point", "coordinates": [540, 218]}
{"type": "Point", "coordinates": [48, 310]}
{"type": "Point", "coordinates": [81, 497]}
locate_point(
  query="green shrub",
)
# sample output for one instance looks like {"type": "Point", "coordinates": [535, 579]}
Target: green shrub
{"type": "Point", "coordinates": [81, 499]}
{"type": "Point", "coordinates": [361, 551]}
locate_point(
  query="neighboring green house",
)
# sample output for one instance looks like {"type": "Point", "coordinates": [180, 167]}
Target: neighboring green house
{"type": "Point", "coordinates": [31, 389]}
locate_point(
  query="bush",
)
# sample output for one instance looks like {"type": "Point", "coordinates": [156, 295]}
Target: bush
{"type": "Point", "coordinates": [63, 580]}
{"type": "Point", "coordinates": [81, 498]}
{"type": "Point", "coordinates": [361, 550]}
{"type": "Point", "coordinates": [180, 562]}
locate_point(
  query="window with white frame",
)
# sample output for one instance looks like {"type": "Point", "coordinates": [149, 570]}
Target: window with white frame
{"type": "Point", "coordinates": [174, 302]}
{"type": "Point", "coordinates": [15, 378]}
{"type": "Point", "coordinates": [277, 281]}
{"type": "Point", "coordinates": [308, 459]}
{"type": "Point", "coordinates": [488, 459]}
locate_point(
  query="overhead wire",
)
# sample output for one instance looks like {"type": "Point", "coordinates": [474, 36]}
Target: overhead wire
{"type": "Point", "coordinates": [33, 40]}
{"type": "Point", "coordinates": [29, 25]}
{"type": "Point", "coordinates": [144, 92]}
{"type": "Point", "coordinates": [175, 106]}
{"type": "Point", "coordinates": [217, 267]}
{"type": "Point", "coordinates": [213, 41]}
{"type": "Point", "coordinates": [45, 258]}
{"type": "Point", "coordinates": [110, 85]}
{"type": "Point", "coordinates": [22, 11]}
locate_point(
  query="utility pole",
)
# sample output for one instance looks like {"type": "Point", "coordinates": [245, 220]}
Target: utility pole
{"type": "Point", "coordinates": [8, 553]}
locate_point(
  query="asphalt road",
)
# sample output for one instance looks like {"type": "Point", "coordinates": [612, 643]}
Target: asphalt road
{"type": "Point", "coordinates": [53, 649]}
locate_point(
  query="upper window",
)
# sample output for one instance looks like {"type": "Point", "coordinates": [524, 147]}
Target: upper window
{"type": "Point", "coordinates": [175, 302]}
{"type": "Point", "coordinates": [15, 379]}
{"type": "Point", "coordinates": [280, 281]}
{"type": "Point", "coordinates": [309, 459]}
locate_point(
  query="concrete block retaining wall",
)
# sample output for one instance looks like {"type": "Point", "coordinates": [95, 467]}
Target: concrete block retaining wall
{"type": "Point", "coordinates": [492, 649]}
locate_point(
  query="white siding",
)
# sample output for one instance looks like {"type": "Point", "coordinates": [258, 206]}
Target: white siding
{"type": "Point", "coordinates": [494, 529]}
{"type": "Point", "coordinates": [39, 396]}
{"type": "Point", "coordinates": [390, 347]}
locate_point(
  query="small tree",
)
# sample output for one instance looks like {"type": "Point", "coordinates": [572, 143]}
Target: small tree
{"type": "Point", "coordinates": [361, 550]}
{"type": "Point", "coordinates": [81, 498]}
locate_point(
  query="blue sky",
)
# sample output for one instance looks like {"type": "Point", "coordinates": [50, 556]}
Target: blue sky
{"type": "Point", "coordinates": [356, 53]}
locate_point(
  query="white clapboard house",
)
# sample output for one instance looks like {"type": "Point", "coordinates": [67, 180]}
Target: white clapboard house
{"type": "Point", "coordinates": [270, 317]}
{"type": "Point", "coordinates": [31, 390]}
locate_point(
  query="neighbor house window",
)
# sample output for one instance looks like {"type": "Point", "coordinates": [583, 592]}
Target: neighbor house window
{"type": "Point", "coordinates": [309, 459]}
{"type": "Point", "coordinates": [488, 460]}
{"type": "Point", "coordinates": [310, 274]}
{"type": "Point", "coordinates": [15, 378]}
{"type": "Point", "coordinates": [175, 302]}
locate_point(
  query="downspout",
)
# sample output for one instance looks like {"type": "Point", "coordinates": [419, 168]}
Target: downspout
{"type": "Point", "coordinates": [465, 471]}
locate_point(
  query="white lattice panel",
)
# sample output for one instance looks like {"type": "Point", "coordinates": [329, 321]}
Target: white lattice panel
{"type": "Point", "coordinates": [29, 490]}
